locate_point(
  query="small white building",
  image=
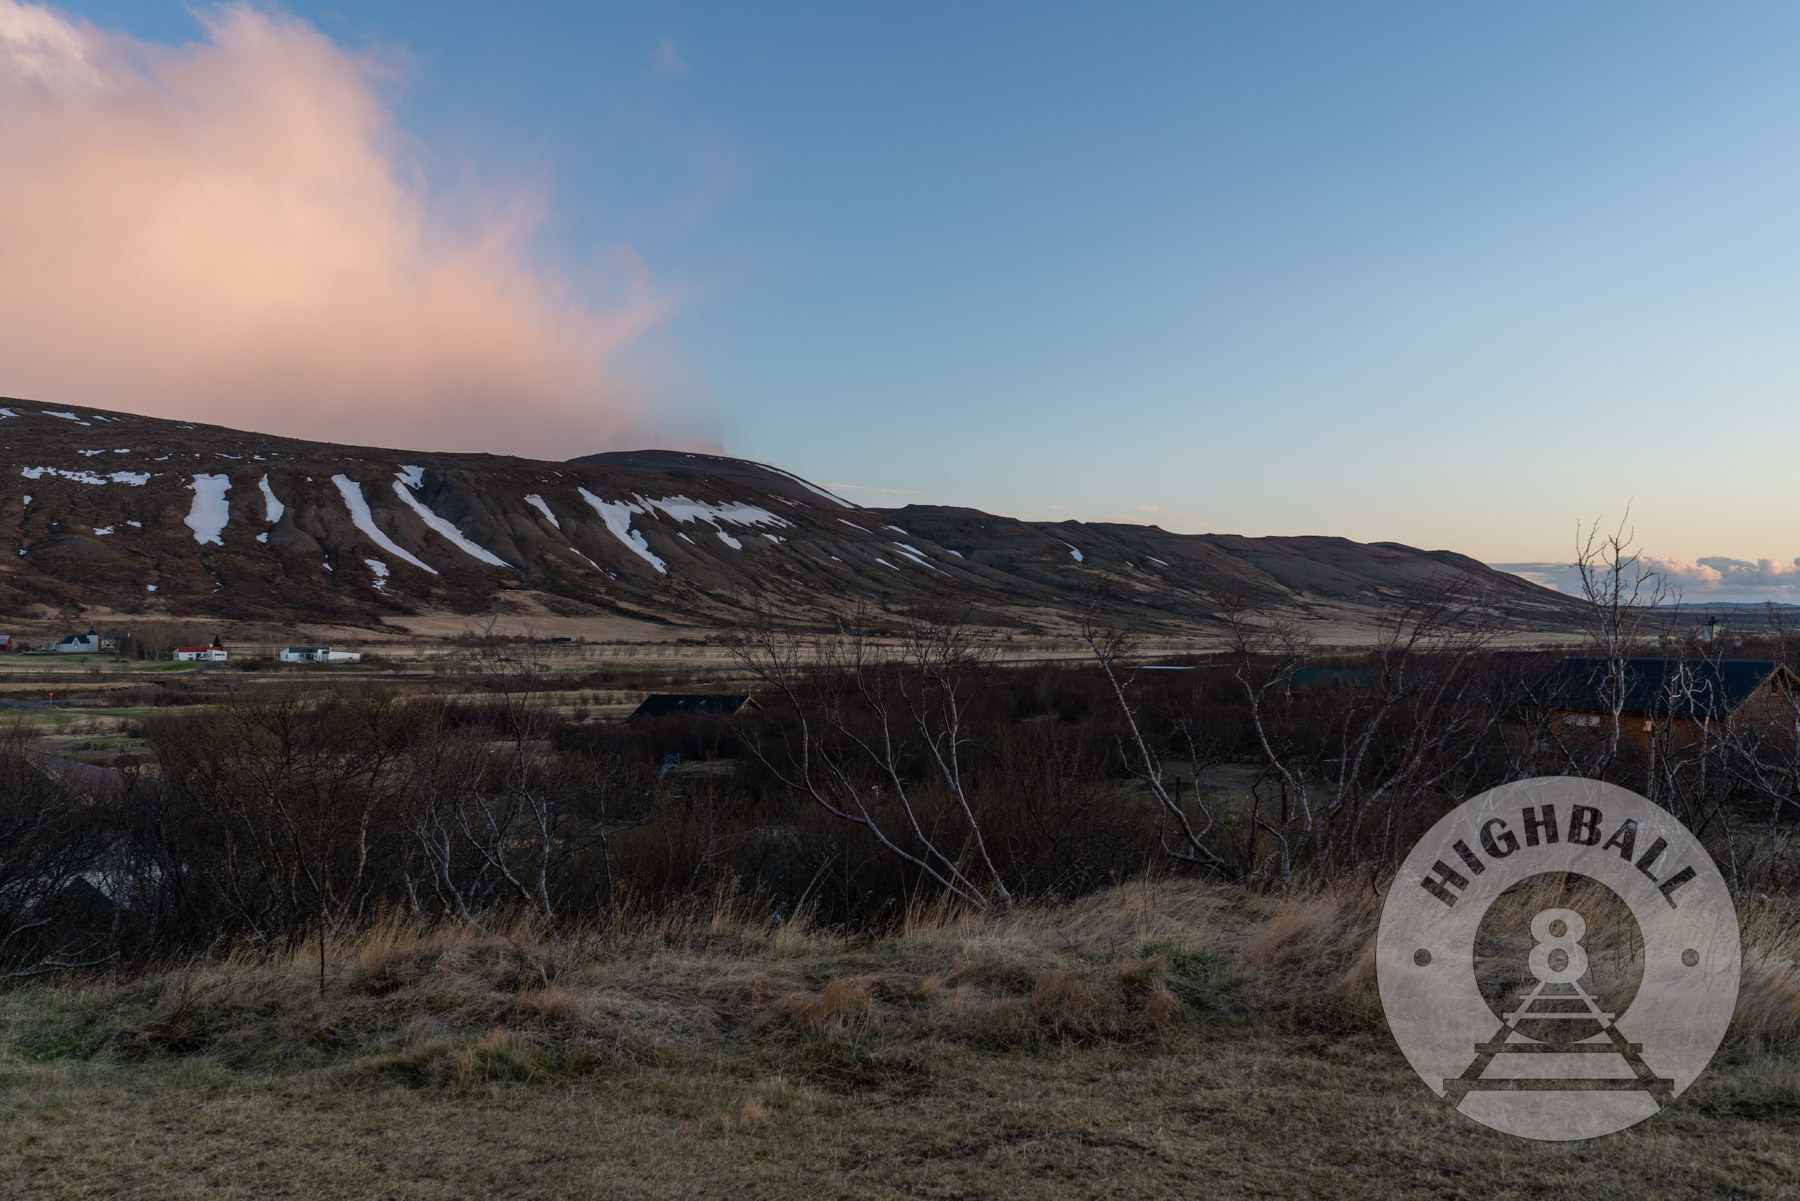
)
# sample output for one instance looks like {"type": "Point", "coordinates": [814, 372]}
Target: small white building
{"type": "Point", "coordinates": [200, 654]}
{"type": "Point", "coordinates": [80, 644]}
{"type": "Point", "coordinates": [318, 654]}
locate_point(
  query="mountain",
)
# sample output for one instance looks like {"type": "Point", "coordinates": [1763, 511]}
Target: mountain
{"type": "Point", "coordinates": [115, 511]}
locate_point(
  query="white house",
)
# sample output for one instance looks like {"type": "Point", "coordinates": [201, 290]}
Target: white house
{"type": "Point", "coordinates": [80, 644]}
{"type": "Point", "coordinates": [200, 654]}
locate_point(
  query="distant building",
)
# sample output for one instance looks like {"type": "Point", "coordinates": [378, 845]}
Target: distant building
{"type": "Point", "coordinates": [562, 640]}
{"type": "Point", "coordinates": [318, 654]}
{"type": "Point", "coordinates": [80, 644]}
{"type": "Point", "coordinates": [1684, 694]}
{"type": "Point", "coordinates": [112, 640]}
{"type": "Point", "coordinates": [716, 704]}
{"type": "Point", "coordinates": [200, 654]}
{"type": "Point", "coordinates": [8, 644]}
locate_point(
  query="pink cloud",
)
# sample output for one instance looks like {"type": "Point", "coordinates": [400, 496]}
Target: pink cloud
{"type": "Point", "coordinates": [225, 232]}
{"type": "Point", "coordinates": [1764, 573]}
{"type": "Point", "coordinates": [1682, 573]}
{"type": "Point", "coordinates": [1716, 577]}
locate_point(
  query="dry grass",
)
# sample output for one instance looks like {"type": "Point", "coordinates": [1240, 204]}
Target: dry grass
{"type": "Point", "coordinates": [1160, 1037]}
{"type": "Point", "coordinates": [1768, 1009]}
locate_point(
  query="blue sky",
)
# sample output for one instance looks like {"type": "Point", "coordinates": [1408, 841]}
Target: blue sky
{"type": "Point", "coordinates": [1453, 275]}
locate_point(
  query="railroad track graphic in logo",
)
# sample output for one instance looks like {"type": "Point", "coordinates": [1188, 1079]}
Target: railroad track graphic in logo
{"type": "Point", "coordinates": [1558, 958]}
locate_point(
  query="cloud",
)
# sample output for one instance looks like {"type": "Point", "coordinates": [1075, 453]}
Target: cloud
{"type": "Point", "coordinates": [1680, 573]}
{"type": "Point", "coordinates": [666, 59]}
{"type": "Point", "coordinates": [227, 231]}
{"type": "Point", "coordinates": [1712, 577]}
{"type": "Point", "coordinates": [1764, 573]}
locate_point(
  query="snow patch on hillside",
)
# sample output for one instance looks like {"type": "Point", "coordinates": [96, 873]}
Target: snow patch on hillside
{"type": "Point", "coordinates": [618, 519]}
{"type": "Point", "coordinates": [445, 528]}
{"type": "Point", "coordinates": [909, 553]}
{"type": "Point", "coordinates": [537, 502]}
{"type": "Point", "coordinates": [135, 478]}
{"type": "Point", "coordinates": [381, 574]}
{"type": "Point", "coordinates": [272, 507]}
{"type": "Point", "coordinates": [728, 540]}
{"type": "Point", "coordinates": [65, 416]}
{"type": "Point", "coordinates": [414, 476]}
{"type": "Point", "coordinates": [365, 521]}
{"type": "Point", "coordinates": [684, 510]}
{"type": "Point", "coordinates": [1073, 551]}
{"type": "Point", "coordinates": [813, 488]}
{"type": "Point", "coordinates": [209, 512]}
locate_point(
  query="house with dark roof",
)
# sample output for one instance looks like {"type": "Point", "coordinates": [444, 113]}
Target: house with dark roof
{"type": "Point", "coordinates": [80, 644]}
{"type": "Point", "coordinates": [714, 704]}
{"type": "Point", "coordinates": [1684, 695]}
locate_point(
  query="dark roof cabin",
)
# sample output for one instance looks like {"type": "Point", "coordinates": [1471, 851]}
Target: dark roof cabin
{"type": "Point", "coordinates": [1581, 691]}
{"type": "Point", "coordinates": [716, 704]}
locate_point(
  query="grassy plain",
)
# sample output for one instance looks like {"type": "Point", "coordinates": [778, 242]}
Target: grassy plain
{"type": "Point", "coordinates": [1158, 1039]}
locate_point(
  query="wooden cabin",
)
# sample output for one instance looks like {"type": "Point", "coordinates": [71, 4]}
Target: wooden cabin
{"type": "Point", "coordinates": [1682, 695]}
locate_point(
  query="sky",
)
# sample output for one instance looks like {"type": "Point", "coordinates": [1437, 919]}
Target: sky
{"type": "Point", "coordinates": [1459, 276]}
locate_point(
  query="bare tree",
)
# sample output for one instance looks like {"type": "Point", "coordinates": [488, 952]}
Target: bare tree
{"type": "Point", "coordinates": [297, 790]}
{"type": "Point", "coordinates": [1183, 838]}
{"type": "Point", "coordinates": [1621, 593]}
{"type": "Point", "coordinates": [880, 737]}
{"type": "Point", "coordinates": [53, 845]}
{"type": "Point", "coordinates": [1348, 756]}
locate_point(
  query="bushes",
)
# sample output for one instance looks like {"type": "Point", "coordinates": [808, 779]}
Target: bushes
{"type": "Point", "coordinates": [274, 814]}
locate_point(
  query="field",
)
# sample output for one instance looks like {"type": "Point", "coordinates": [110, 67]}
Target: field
{"type": "Point", "coordinates": [439, 925]}
{"type": "Point", "coordinates": [1156, 1039]}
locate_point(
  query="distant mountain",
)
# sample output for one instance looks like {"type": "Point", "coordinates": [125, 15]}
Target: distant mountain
{"type": "Point", "coordinates": [142, 515]}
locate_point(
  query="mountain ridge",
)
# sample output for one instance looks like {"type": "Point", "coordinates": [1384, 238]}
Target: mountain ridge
{"type": "Point", "coordinates": [142, 515]}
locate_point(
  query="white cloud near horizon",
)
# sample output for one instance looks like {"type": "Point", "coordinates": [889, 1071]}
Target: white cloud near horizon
{"type": "Point", "coordinates": [1712, 577]}
{"type": "Point", "coordinates": [229, 231]}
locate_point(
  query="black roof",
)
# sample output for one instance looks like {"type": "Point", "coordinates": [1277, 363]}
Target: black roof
{"type": "Point", "coordinates": [1653, 687]}
{"type": "Point", "coordinates": [665, 704]}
